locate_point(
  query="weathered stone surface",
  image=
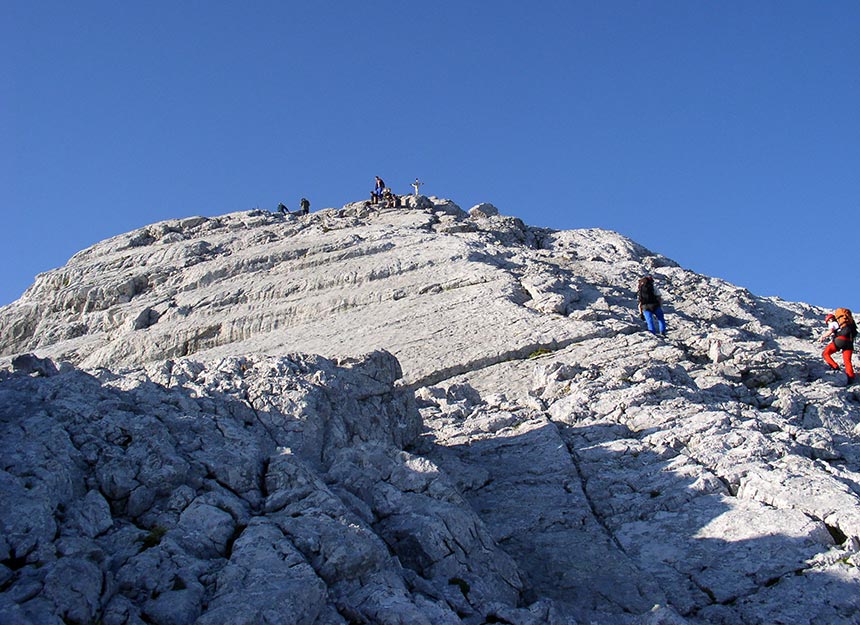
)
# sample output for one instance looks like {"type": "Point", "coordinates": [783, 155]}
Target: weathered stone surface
{"type": "Point", "coordinates": [487, 433]}
{"type": "Point", "coordinates": [483, 210]}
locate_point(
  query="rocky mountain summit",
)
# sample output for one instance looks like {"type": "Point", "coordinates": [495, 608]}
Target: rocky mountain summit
{"type": "Point", "coordinates": [416, 416]}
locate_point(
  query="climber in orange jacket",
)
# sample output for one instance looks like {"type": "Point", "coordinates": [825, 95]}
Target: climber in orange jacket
{"type": "Point", "coordinates": [843, 340]}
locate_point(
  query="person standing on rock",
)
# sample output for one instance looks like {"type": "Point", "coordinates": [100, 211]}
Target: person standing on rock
{"type": "Point", "coordinates": [305, 206]}
{"type": "Point", "coordinates": [416, 185]}
{"type": "Point", "coordinates": [843, 340]}
{"type": "Point", "coordinates": [650, 306]}
{"type": "Point", "coordinates": [376, 194]}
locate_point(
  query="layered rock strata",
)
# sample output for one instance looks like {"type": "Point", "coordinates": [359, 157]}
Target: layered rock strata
{"type": "Point", "coordinates": [416, 416]}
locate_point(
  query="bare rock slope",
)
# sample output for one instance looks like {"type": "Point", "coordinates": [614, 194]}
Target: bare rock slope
{"type": "Point", "coordinates": [416, 416]}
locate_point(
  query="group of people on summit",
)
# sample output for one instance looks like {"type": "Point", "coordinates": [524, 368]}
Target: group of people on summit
{"type": "Point", "coordinates": [380, 194]}
{"type": "Point", "coordinates": [383, 195]}
{"type": "Point", "coordinates": [304, 208]}
{"type": "Point", "coordinates": [841, 328]}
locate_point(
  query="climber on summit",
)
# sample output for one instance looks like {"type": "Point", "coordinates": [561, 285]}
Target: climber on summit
{"type": "Point", "coordinates": [650, 305]}
{"type": "Point", "coordinates": [843, 340]}
{"type": "Point", "coordinates": [305, 206]}
{"type": "Point", "coordinates": [376, 194]}
{"type": "Point", "coordinates": [416, 185]}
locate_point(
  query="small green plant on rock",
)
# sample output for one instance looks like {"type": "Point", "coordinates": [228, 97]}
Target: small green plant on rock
{"type": "Point", "coordinates": [153, 538]}
{"type": "Point", "coordinates": [538, 353]}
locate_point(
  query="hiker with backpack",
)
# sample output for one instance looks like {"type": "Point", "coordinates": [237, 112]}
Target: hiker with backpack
{"type": "Point", "coordinates": [376, 194]}
{"type": "Point", "coordinates": [651, 306]}
{"type": "Point", "coordinates": [843, 340]}
{"type": "Point", "coordinates": [305, 206]}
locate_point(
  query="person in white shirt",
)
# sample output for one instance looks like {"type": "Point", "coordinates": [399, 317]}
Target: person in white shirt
{"type": "Point", "coordinates": [832, 327]}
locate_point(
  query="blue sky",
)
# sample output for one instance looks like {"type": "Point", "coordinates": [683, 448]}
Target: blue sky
{"type": "Point", "coordinates": [724, 135]}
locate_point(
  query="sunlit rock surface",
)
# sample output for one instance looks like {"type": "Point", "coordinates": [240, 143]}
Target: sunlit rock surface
{"type": "Point", "coordinates": [424, 415]}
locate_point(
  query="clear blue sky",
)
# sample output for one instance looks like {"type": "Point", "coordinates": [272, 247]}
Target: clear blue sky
{"type": "Point", "coordinates": [725, 135]}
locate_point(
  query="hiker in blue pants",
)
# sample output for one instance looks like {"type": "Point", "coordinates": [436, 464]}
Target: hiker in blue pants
{"type": "Point", "coordinates": [650, 306]}
{"type": "Point", "coordinates": [376, 194]}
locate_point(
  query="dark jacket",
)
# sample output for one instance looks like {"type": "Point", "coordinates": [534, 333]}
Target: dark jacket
{"type": "Point", "coordinates": [648, 299]}
{"type": "Point", "coordinates": [844, 337]}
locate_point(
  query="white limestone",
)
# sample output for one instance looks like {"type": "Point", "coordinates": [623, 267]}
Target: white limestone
{"type": "Point", "coordinates": [416, 416]}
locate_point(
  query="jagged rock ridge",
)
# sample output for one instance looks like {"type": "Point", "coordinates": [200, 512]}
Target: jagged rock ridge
{"type": "Point", "coordinates": [485, 435]}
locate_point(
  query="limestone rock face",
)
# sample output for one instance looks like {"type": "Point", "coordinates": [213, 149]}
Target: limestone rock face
{"type": "Point", "coordinates": [418, 415]}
